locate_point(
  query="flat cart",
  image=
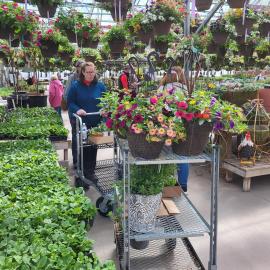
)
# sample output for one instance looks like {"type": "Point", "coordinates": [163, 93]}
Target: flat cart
{"type": "Point", "coordinates": [105, 170]}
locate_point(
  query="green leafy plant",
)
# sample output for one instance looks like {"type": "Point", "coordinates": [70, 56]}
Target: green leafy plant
{"type": "Point", "coordinates": [165, 38]}
{"type": "Point", "coordinates": [6, 91]}
{"type": "Point", "coordinates": [116, 33]}
{"type": "Point", "coordinates": [149, 179]}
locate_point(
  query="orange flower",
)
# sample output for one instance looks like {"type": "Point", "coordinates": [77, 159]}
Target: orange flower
{"type": "Point", "coordinates": [160, 118]}
{"type": "Point", "coordinates": [170, 132]}
{"type": "Point", "coordinates": [152, 131]}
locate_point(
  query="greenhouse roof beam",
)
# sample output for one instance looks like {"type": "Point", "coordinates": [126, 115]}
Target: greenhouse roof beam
{"type": "Point", "coordinates": [210, 15]}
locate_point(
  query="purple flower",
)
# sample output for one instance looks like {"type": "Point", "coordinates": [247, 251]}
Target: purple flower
{"type": "Point", "coordinates": [231, 124]}
{"type": "Point", "coordinates": [218, 126]}
{"type": "Point", "coordinates": [129, 115]}
{"type": "Point", "coordinates": [218, 115]}
{"type": "Point", "coordinates": [122, 124]}
{"type": "Point", "coordinates": [109, 123]}
{"type": "Point", "coordinates": [133, 107]}
{"type": "Point", "coordinates": [117, 116]}
{"type": "Point", "coordinates": [138, 118]}
{"type": "Point", "coordinates": [213, 101]}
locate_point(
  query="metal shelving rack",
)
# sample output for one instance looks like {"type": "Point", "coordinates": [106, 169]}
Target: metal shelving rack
{"type": "Point", "coordinates": [175, 252]}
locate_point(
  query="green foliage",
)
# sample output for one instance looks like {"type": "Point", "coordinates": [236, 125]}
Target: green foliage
{"type": "Point", "coordinates": [6, 91]}
{"type": "Point", "coordinates": [165, 38]}
{"type": "Point", "coordinates": [31, 124]}
{"type": "Point", "coordinates": [42, 218]}
{"type": "Point", "coordinates": [116, 33]}
{"type": "Point", "coordinates": [150, 179]}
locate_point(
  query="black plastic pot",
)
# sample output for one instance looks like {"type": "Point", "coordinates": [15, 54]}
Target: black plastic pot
{"type": "Point", "coordinates": [220, 38]}
{"type": "Point", "coordinates": [202, 5]}
{"type": "Point", "coordinates": [264, 29]}
{"type": "Point", "coordinates": [37, 101]}
{"type": "Point", "coordinates": [46, 10]}
{"type": "Point", "coordinates": [236, 3]}
{"type": "Point", "coordinates": [19, 100]}
{"type": "Point", "coordinates": [241, 29]}
{"type": "Point", "coordinates": [139, 245]}
{"type": "Point", "coordinates": [162, 28]}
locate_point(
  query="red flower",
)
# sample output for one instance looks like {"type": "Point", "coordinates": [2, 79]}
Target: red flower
{"type": "Point", "coordinates": [15, 5]}
{"type": "Point", "coordinates": [188, 116]}
{"type": "Point", "coordinates": [85, 35]}
{"type": "Point", "coordinates": [19, 18]}
{"type": "Point", "coordinates": [179, 114]}
{"type": "Point", "coordinates": [5, 8]}
{"type": "Point", "coordinates": [120, 107]}
{"type": "Point", "coordinates": [182, 105]}
{"type": "Point", "coordinates": [50, 31]}
{"type": "Point", "coordinates": [138, 118]}
{"type": "Point", "coordinates": [153, 100]}
{"type": "Point", "coordinates": [109, 123]}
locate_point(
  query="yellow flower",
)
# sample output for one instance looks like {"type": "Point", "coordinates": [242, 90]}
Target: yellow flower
{"type": "Point", "coordinates": [155, 139]}
{"type": "Point", "coordinates": [161, 131]}
{"type": "Point", "coordinates": [150, 124]}
{"type": "Point", "coordinates": [192, 102]}
{"type": "Point", "coordinates": [127, 105]}
{"type": "Point", "coordinates": [201, 93]}
{"type": "Point", "coordinates": [211, 85]}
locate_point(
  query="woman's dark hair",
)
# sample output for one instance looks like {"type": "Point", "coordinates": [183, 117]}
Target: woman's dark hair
{"type": "Point", "coordinates": [84, 65]}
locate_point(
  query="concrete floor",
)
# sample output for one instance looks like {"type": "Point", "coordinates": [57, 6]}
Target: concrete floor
{"type": "Point", "coordinates": [243, 224]}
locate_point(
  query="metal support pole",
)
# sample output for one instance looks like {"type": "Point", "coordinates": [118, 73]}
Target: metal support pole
{"type": "Point", "coordinates": [210, 15]}
{"type": "Point", "coordinates": [126, 262]}
{"type": "Point", "coordinates": [187, 33]}
{"type": "Point", "coordinates": [212, 265]}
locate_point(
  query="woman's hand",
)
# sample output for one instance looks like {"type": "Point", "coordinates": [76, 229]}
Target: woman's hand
{"type": "Point", "coordinates": [81, 112]}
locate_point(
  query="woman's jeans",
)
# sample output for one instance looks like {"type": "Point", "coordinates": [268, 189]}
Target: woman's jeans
{"type": "Point", "coordinates": [89, 153]}
{"type": "Point", "coordinates": [183, 171]}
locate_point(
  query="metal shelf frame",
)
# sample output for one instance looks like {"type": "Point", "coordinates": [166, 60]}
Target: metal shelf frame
{"type": "Point", "coordinates": [189, 223]}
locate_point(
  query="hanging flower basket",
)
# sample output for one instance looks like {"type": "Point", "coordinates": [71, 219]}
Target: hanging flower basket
{"type": "Point", "coordinates": [161, 28]}
{"type": "Point", "coordinates": [239, 97]}
{"type": "Point", "coordinates": [71, 36]}
{"type": "Point", "coordinates": [241, 29]}
{"type": "Point", "coordinates": [202, 5]}
{"type": "Point", "coordinates": [236, 3]}
{"type": "Point", "coordinates": [264, 29]}
{"type": "Point", "coordinates": [246, 50]}
{"type": "Point", "coordinates": [161, 46]}
{"type": "Point", "coordinates": [46, 10]}
{"type": "Point", "coordinates": [197, 138]}
{"type": "Point", "coordinates": [116, 46]}
{"type": "Point", "coordinates": [48, 48]}
{"type": "Point", "coordinates": [220, 37]}
{"type": "Point", "coordinates": [140, 147]}
{"type": "Point", "coordinates": [143, 211]}
{"type": "Point", "coordinates": [212, 48]}
{"type": "Point", "coordinates": [5, 32]}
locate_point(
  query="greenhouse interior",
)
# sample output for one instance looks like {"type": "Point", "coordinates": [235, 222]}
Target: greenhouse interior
{"type": "Point", "coordinates": [134, 134]}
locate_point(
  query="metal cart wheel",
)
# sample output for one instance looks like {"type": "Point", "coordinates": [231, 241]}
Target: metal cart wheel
{"type": "Point", "coordinates": [104, 209]}
{"type": "Point", "coordinates": [170, 243]}
{"type": "Point", "coordinates": [79, 183]}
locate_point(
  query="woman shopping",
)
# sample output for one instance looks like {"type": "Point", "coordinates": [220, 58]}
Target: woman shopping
{"type": "Point", "coordinates": [55, 93]}
{"type": "Point", "coordinates": [82, 99]}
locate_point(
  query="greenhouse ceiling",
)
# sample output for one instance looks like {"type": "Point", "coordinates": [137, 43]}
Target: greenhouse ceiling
{"type": "Point", "coordinates": [91, 9]}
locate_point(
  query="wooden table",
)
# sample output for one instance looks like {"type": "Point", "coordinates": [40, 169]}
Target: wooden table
{"type": "Point", "coordinates": [261, 167]}
{"type": "Point", "coordinates": [63, 145]}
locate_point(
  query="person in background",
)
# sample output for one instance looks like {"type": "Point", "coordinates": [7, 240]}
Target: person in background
{"type": "Point", "coordinates": [73, 77]}
{"type": "Point", "coordinates": [176, 81]}
{"type": "Point", "coordinates": [82, 99]}
{"type": "Point", "coordinates": [123, 80]}
{"type": "Point", "coordinates": [55, 93]}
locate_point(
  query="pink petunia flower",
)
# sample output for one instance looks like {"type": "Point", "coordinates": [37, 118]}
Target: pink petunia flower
{"type": "Point", "coordinates": [182, 105]}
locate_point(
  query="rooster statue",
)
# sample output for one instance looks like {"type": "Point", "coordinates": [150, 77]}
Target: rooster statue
{"type": "Point", "coordinates": [246, 149]}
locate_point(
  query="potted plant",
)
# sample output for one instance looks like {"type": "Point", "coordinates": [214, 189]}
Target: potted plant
{"type": "Point", "coordinates": [201, 112]}
{"type": "Point", "coordinates": [137, 47]}
{"type": "Point", "coordinates": [243, 22]}
{"type": "Point", "coordinates": [46, 8]}
{"type": "Point", "coordinates": [161, 42]}
{"type": "Point", "coordinates": [236, 3]}
{"type": "Point", "coordinates": [162, 13]}
{"type": "Point", "coordinates": [49, 41]}
{"type": "Point", "coordinates": [66, 52]}
{"type": "Point", "coordinates": [66, 23]}
{"type": "Point", "coordinates": [263, 48]}
{"type": "Point", "coordinates": [91, 55]}
{"type": "Point", "coordinates": [220, 31]}
{"type": "Point", "coordinates": [264, 23]}
{"type": "Point", "coordinates": [88, 32]}
{"type": "Point", "coordinates": [202, 5]}
{"type": "Point", "coordinates": [141, 29]}
{"type": "Point", "coordinates": [116, 38]}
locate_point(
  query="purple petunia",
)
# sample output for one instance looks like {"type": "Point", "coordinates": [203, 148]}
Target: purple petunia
{"type": "Point", "coordinates": [213, 101]}
{"type": "Point", "coordinates": [138, 118]}
{"type": "Point", "coordinates": [231, 124]}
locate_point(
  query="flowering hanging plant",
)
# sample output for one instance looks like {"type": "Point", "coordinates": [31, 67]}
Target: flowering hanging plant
{"type": "Point", "coordinates": [14, 19]}
{"type": "Point", "coordinates": [136, 23]}
{"type": "Point", "coordinates": [204, 107]}
{"type": "Point", "coordinates": [143, 115]}
{"type": "Point", "coordinates": [66, 20]}
{"type": "Point", "coordinates": [52, 34]}
{"type": "Point", "coordinates": [164, 10]}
